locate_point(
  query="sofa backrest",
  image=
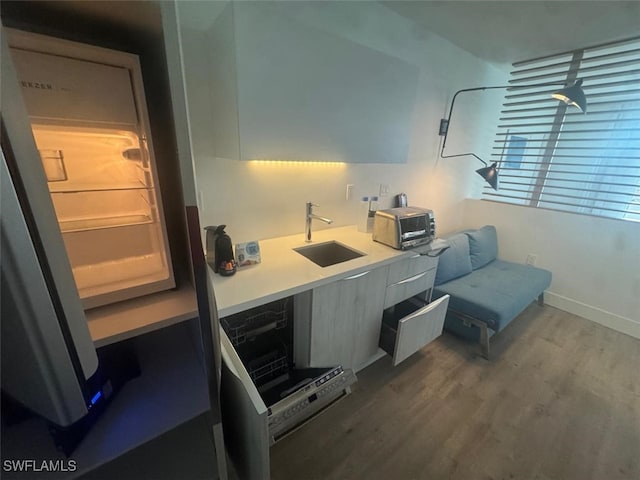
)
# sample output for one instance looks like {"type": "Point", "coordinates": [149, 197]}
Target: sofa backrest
{"type": "Point", "coordinates": [468, 251]}
{"type": "Point", "coordinates": [455, 261]}
{"type": "Point", "coordinates": [483, 246]}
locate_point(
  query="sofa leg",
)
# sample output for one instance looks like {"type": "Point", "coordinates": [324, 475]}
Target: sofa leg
{"type": "Point", "coordinates": [484, 340]}
{"type": "Point", "coordinates": [541, 299]}
{"type": "Point", "coordinates": [484, 330]}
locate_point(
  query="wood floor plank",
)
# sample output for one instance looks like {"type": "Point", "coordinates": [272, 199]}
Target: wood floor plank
{"type": "Point", "coordinates": [560, 399]}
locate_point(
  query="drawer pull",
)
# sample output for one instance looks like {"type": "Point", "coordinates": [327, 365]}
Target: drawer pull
{"type": "Point", "coordinates": [357, 275]}
{"type": "Point", "coordinates": [413, 279]}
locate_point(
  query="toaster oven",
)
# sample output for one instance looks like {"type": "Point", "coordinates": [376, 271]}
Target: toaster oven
{"type": "Point", "coordinates": [404, 227]}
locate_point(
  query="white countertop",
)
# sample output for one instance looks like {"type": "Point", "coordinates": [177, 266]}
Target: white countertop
{"type": "Point", "coordinates": [284, 272]}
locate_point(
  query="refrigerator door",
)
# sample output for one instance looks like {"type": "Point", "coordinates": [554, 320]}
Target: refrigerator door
{"type": "Point", "coordinates": [37, 368]}
{"type": "Point", "coordinates": [44, 330]}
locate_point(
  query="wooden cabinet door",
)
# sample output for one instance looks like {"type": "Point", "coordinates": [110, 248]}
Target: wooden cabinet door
{"type": "Point", "coordinates": [345, 319]}
{"type": "Point", "coordinates": [368, 306]}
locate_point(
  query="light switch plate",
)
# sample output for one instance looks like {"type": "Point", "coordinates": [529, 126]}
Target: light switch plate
{"type": "Point", "coordinates": [349, 192]}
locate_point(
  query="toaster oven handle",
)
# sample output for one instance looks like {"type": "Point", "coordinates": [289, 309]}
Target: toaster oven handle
{"type": "Point", "coordinates": [416, 233]}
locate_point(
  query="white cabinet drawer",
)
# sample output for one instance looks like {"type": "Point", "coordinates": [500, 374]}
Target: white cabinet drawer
{"type": "Point", "coordinates": [410, 326]}
{"type": "Point", "coordinates": [410, 267]}
{"type": "Point", "coordinates": [409, 287]}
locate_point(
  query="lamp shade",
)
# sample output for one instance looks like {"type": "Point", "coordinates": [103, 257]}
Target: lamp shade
{"type": "Point", "coordinates": [490, 174]}
{"type": "Point", "coordinates": [573, 95]}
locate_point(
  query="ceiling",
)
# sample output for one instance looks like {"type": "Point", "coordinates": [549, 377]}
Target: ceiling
{"type": "Point", "coordinates": [509, 31]}
{"type": "Point", "coordinates": [498, 31]}
{"type": "Point", "coordinates": [135, 15]}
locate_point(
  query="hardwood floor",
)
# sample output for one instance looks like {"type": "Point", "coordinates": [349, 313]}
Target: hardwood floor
{"type": "Point", "coordinates": [560, 399]}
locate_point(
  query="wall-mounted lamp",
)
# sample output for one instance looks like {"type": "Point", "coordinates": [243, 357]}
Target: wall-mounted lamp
{"type": "Point", "coordinates": [571, 95]}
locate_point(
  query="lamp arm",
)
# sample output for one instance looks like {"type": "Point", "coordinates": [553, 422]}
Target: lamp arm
{"type": "Point", "coordinates": [462, 155]}
{"type": "Point", "coordinates": [444, 123]}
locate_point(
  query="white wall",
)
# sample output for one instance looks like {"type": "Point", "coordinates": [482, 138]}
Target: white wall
{"type": "Point", "coordinates": [595, 261]}
{"type": "Point", "coordinates": [264, 200]}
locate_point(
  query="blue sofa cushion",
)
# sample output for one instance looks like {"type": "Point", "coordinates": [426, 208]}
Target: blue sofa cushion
{"type": "Point", "coordinates": [496, 293]}
{"type": "Point", "coordinates": [454, 262]}
{"type": "Point", "coordinates": [483, 246]}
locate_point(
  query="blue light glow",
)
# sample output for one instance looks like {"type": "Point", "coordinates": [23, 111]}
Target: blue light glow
{"type": "Point", "coordinates": [96, 397]}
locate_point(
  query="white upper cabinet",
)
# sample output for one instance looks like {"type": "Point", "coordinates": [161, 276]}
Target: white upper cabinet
{"type": "Point", "coordinates": [285, 83]}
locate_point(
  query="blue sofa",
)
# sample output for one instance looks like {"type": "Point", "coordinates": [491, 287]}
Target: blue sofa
{"type": "Point", "coordinates": [486, 293]}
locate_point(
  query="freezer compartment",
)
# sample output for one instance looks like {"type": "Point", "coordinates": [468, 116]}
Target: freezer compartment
{"type": "Point", "coordinates": [57, 87]}
{"type": "Point", "coordinates": [410, 325]}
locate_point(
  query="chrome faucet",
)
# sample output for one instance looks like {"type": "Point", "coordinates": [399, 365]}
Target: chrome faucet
{"type": "Point", "coordinates": [310, 216]}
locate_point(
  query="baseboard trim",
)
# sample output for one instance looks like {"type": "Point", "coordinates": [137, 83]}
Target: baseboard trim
{"type": "Point", "coordinates": [608, 319]}
{"type": "Point", "coordinates": [377, 356]}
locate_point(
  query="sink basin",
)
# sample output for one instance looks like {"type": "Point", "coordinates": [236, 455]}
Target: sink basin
{"type": "Point", "coordinates": [328, 253]}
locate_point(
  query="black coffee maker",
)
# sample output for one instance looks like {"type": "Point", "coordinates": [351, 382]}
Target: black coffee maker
{"type": "Point", "coordinates": [220, 251]}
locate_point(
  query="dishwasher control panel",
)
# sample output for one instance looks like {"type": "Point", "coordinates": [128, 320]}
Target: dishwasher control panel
{"type": "Point", "coordinates": [308, 400]}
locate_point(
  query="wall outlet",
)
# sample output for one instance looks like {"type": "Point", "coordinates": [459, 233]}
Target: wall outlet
{"type": "Point", "coordinates": [532, 258]}
{"type": "Point", "coordinates": [384, 189]}
{"type": "Point", "coordinates": [349, 192]}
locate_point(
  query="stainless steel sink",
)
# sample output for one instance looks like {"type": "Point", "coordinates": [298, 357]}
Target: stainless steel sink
{"type": "Point", "coordinates": [328, 253]}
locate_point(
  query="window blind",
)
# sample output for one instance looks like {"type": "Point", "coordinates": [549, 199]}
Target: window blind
{"type": "Point", "coordinates": [553, 156]}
